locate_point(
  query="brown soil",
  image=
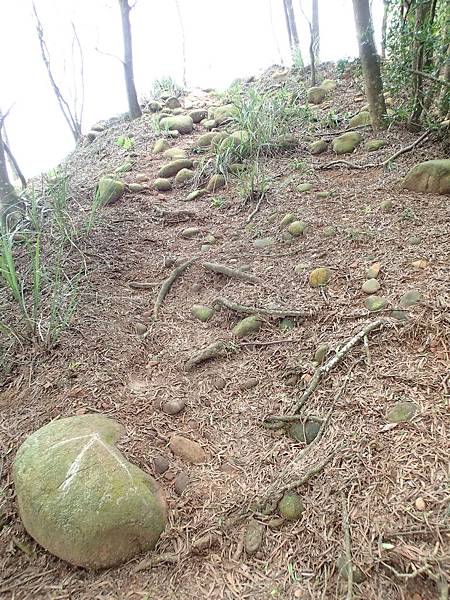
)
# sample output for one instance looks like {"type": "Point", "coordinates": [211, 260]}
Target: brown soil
{"type": "Point", "coordinates": [102, 365]}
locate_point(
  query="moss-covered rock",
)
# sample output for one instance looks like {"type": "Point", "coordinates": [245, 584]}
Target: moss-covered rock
{"type": "Point", "coordinates": [209, 124]}
{"type": "Point", "coordinates": [321, 353]}
{"type": "Point", "coordinates": [329, 231]}
{"type": "Point", "coordinates": [386, 205]}
{"type": "Point", "coordinates": [247, 326]}
{"type": "Point", "coordinates": [218, 139]}
{"type": "Point", "coordinates": [81, 499]}
{"type": "Point", "coordinates": [205, 140]}
{"type": "Point", "coordinates": [374, 145]}
{"type": "Point", "coordinates": [347, 142]}
{"type": "Point", "coordinates": [305, 187]}
{"type": "Point", "coordinates": [173, 102]}
{"type": "Point", "coordinates": [136, 187]}
{"type": "Point", "coordinates": [402, 411]}
{"type": "Point", "coordinates": [297, 228]}
{"type": "Point", "coordinates": [286, 141]}
{"type": "Point", "coordinates": [410, 298]}
{"type": "Point", "coordinates": [286, 324]}
{"type": "Point", "coordinates": [125, 167]}
{"type": "Point", "coordinates": [190, 232]}
{"type": "Point", "coordinates": [287, 220]}
{"type": "Point", "coordinates": [239, 138]}
{"type": "Point", "coordinates": [253, 536]}
{"type": "Point", "coordinates": [181, 123]}
{"type": "Point", "coordinates": [316, 95]}
{"type": "Point", "coordinates": [371, 286]}
{"type": "Point", "coordinates": [184, 176]}
{"type": "Point", "coordinates": [431, 176]}
{"type": "Point", "coordinates": [265, 242]}
{"type": "Point", "coordinates": [344, 570]}
{"type": "Point", "coordinates": [373, 271]}
{"type": "Point", "coordinates": [224, 113]}
{"type": "Point", "coordinates": [162, 185]}
{"type": "Point", "coordinates": [328, 84]}
{"type": "Point", "coordinates": [202, 312]}
{"type": "Point", "coordinates": [215, 182]}
{"type": "Point", "coordinates": [195, 195]}
{"type": "Point", "coordinates": [319, 277]}
{"type": "Point", "coordinates": [160, 146]}
{"type": "Point", "coordinates": [375, 303]}
{"type": "Point", "coordinates": [172, 168]}
{"type": "Point", "coordinates": [198, 115]}
{"type": "Point", "coordinates": [318, 147]}
{"type": "Point", "coordinates": [109, 190]}
{"type": "Point", "coordinates": [291, 506]}
{"type": "Point", "coordinates": [304, 432]}
{"type": "Point", "coordinates": [175, 153]}
{"type": "Point", "coordinates": [361, 119]}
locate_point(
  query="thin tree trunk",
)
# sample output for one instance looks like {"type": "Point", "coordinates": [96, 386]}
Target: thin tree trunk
{"type": "Point", "coordinates": [424, 17]}
{"type": "Point", "coordinates": [183, 41]}
{"type": "Point", "coordinates": [15, 165]}
{"type": "Point", "coordinates": [315, 31]}
{"type": "Point", "coordinates": [370, 63]}
{"type": "Point", "coordinates": [288, 26]}
{"type": "Point", "coordinates": [8, 196]}
{"type": "Point", "coordinates": [134, 110]}
{"type": "Point", "coordinates": [275, 37]}
{"type": "Point", "coordinates": [384, 29]}
{"type": "Point", "coordinates": [292, 30]}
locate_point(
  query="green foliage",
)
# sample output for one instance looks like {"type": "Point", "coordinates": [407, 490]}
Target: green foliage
{"type": "Point", "coordinates": [165, 85]}
{"type": "Point", "coordinates": [217, 201]}
{"type": "Point", "coordinates": [125, 142]}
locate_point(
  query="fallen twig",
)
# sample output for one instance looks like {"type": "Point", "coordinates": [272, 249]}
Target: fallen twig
{"type": "Point", "coordinates": [229, 272]}
{"type": "Point", "coordinates": [214, 350]}
{"type": "Point", "coordinates": [167, 284]}
{"type": "Point", "coordinates": [154, 561]}
{"type": "Point", "coordinates": [348, 549]}
{"type": "Point", "coordinates": [255, 310]}
{"type": "Point", "coordinates": [142, 285]}
{"type": "Point", "coordinates": [255, 210]}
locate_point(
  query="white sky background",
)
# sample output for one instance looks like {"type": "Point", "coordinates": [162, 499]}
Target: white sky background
{"type": "Point", "coordinates": [225, 39]}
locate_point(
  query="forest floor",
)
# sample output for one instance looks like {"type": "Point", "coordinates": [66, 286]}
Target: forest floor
{"type": "Point", "coordinates": [391, 478]}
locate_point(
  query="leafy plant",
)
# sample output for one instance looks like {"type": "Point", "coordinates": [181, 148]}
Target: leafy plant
{"type": "Point", "coordinates": [165, 85]}
{"type": "Point", "coordinates": [125, 142]}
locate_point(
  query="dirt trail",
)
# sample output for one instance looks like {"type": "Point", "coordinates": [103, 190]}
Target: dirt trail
{"type": "Point", "coordinates": [103, 365]}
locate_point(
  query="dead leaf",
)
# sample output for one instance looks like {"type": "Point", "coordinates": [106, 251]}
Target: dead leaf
{"type": "Point", "coordinates": [420, 264]}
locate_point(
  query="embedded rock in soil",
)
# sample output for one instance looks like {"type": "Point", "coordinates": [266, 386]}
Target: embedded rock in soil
{"type": "Point", "coordinates": [347, 142]}
{"type": "Point", "coordinates": [141, 177]}
{"type": "Point", "coordinates": [223, 113]}
{"type": "Point", "coordinates": [291, 506]}
{"type": "Point", "coordinates": [286, 141]}
{"type": "Point", "coordinates": [304, 187]}
{"type": "Point", "coordinates": [386, 205]}
{"type": "Point", "coordinates": [215, 182]}
{"type": "Point", "coordinates": [124, 168]}
{"type": "Point", "coordinates": [198, 115]}
{"type": "Point", "coordinates": [181, 123]}
{"type": "Point", "coordinates": [371, 286]}
{"type": "Point", "coordinates": [109, 190]}
{"type": "Point", "coordinates": [202, 312]}
{"type": "Point", "coordinates": [140, 328]}
{"type": "Point", "coordinates": [373, 271]}
{"type": "Point", "coordinates": [316, 95]}
{"type": "Point", "coordinates": [329, 231]}
{"type": "Point", "coordinates": [195, 195]}
{"type": "Point", "coordinates": [287, 220]}
{"type": "Point", "coordinates": [248, 384]}
{"type": "Point", "coordinates": [414, 240]}
{"type": "Point", "coordinates": [300, 268]}
{"type": "Point", "coordinates": [324, 194]}
{"type": "Point", "coordinates": [162, 185]}
{"type": "Point", "coordinates": [175, 153]}
{"type": "Point", "coordinates": [209, 123]}
{"type": "Point", "coordinates": [328, 85]}
{"type": "Point", "coordinates": [160, 146]}
{"type": "Point", "coordinates": [219, 383]}
{"type": "Point", "coordinates": [205, 140]}
{"type": "Point", "coordinates": [247, 326]}
{"type": "Point", "coordinates": [344, 568]}
{"type": "Point", "coordinates": [402, 411]}
{"type": "Point", "coordinates": [374, 303]}
{"type": "Point", "coordinates": [188, 450]}
{"type": "Point", "coordinates": [318, 147]}
{"type": "Point", "coordinates": [374, 145]}
{"type": "Point", "coordinates": [136, 187]}
{"type": "Point", "coordinates": [253, 536]}
{"type": "Point", "coordinates": [400, 315]}
{"type": "Point", "coordinates": [431, 176]}
{"type": "Point", "coordinates": [160, 464]}
{"type": "Point", "coordinates": [239, 138]}
{"type": "Point", "coordinates": [319, 277]}
{"type": "Point", "coordinates": [184, 176]}
{"type": "Point", "coordinates": [410, 298]}
{"type": "Point", "coordinates": [361, 119]}
{"type": "Point", "coordinates": [218, 138]}
{"type": "Point", "coordinates": [297, 228]}
{"type": "Point", "coordinates": [180, 483]}
{"type": "Point", "coordinates": [264, 242]}
{"type": "Point", "coordinates": [172, 168]}
{"type": "Point", "coordinates": [173, 102]}
{"type": "Point", "coordinates": [190, 232]}
{"type": "Point", "coordinates": [173, 406]}
{"type": "Point", "coordinates": [304, 432]}
{"type": "Point", "coordinates": [286, 324]}
{"type": "Point", "coordinates": [81, 499]}
{"type": "Point", "coordinates": [321, 353]}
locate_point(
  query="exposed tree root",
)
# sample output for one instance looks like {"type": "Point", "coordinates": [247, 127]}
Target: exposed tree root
{"type": "Point", "coordinates": [229, 272]}
{"type": "Point", "coordinates": [142, 285]}
{"type": "Point", "coordinates": [215, 350]}
{"type": "Point", "coordinates": [255, 310]}
{"type": "Point", "coordinates": [155, 561]}
{"type": "Point", "coordinates": [167, 284]}
{"type": "Point", "coordinates": [256, 209]}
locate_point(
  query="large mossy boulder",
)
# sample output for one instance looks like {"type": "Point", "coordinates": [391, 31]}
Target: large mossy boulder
{"type": "Point", "coordinates": [109, 190]}
{"type": "Point", "coordinates": [172, 168]}
{"type": "Point", "coordinates": [316, 95]}
{"type": "Point", "coordinates": [347, 142]}
{"type": "Point", "coordinates": [81, 499]}
{"type": "Point", "coordinates": [180, 123]}
{"type": "Point", "coordinates": [431, 176]}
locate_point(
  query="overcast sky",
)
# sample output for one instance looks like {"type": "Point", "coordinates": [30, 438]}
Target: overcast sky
{"type": "Point", "coordinates": [225, 39]}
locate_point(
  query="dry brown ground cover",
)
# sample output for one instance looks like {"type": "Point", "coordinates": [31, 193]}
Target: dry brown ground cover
{"type": "Point", "coordinates": [380, 470]}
